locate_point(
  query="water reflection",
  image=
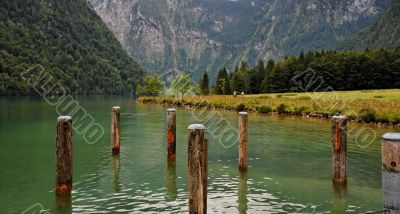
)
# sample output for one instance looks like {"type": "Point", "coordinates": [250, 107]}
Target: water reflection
{"type": "Point", "coordinates": [339, 199]}
{"type": "Point", "coordinates": [391, 191]}
{"type": "Point", "coordinates": [242, 192]}
{"type": "Point", "coordinates": [115, 173]}
{"type": "Point", "coordinates": [172, 191]}
{"type": "Point", "coordinates": [63, 204]}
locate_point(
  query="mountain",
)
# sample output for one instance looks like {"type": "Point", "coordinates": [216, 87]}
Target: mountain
{"type": "Point", "coordinates": [384, 33]}
{"type": "Point", "coordinates": [69, 40]}
{"type": "Point", "coordinates": [198, 35]}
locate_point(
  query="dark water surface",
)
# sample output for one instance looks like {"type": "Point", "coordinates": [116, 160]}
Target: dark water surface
{"type": "Point", "coordinates": [289, 158]}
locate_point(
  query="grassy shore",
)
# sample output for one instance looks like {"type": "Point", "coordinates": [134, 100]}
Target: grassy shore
{"type": "Point", "coordinates": [375, 106]}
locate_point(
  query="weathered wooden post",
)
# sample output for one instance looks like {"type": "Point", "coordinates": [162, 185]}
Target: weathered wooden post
{"type": "Point", "coordinates": [205, 172]}
{"type": "Point", "coordinates": [171, 134]}
{"type": "Point", "coordinates": [391, 171]}
{"type": "Point", "coordinates": [243, 159]}
{"type": "Point", "coordinates": [115, 130]}
{"type": "Point", "coordinates": [196, 168]}
{"type": "Point", "coordinates": [64, 156]}
{"type": "Point", "coordinates": [339, 150]}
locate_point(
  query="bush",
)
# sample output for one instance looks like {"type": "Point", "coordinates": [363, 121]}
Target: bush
{"type": "Point", "coordinates": [264, 109]}
{"type": "Point", "coordinates": [281, 108]}
{"type": "Point", "coordinates": [367, 115]}
{"type": "Point", "coordinates": [148, 100]}
{"type": "Point", "coordinates": [203, 103]}
{"type": "Point", "coordinates": [299, 110]}
{"type": "Point", "coordinates": [240, 107]}
{"type": "Point", "coordinates": [218, 105]}
{"type": "Point", "coordinates": [264, 97]}
{"type": "Point", "coordinates": [177, 103]}
{"type": "Point", "coordinates": [304, 98]}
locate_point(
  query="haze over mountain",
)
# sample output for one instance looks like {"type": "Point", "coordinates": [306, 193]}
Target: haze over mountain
{"type": "Point", "coordinates": [198, 35]}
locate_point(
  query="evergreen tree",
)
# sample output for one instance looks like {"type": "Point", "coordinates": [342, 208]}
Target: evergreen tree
{"type": "Point", "coordinates": [222, 84]}
{"type": "Point", "coordinates": [205, 84]}
{"type": "Point", "coordinates": [243, 66]}
{"type": "Point", "coordinates": [268, 71]}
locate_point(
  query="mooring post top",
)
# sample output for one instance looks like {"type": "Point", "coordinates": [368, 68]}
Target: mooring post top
{"type": "Point", "coordinates": [339, 117]}
{"type": "Point", "coordinates": [171, 110]}
{"type": "Point", "coordinates": [116, 107]}
{"type": "Point", "coordinates": [64, 118]}
{"type": "Point", "coordinates": [196, 126]}
{"type": "Point", "coordinates": [243, 113]}
{"type": "Point", "coordinates": [391, 136]}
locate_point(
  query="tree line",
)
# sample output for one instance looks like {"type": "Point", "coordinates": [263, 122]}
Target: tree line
{"type": "Point", "coordinates": [339, 70]}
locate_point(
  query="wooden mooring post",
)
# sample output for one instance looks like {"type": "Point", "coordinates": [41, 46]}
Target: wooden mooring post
{"type": "Point", "coordinates": [171, 135]}
{"type": "Point", "coordinates": [205, 172]}
{"type": "Point", "coordinates": [64, 156]}
{"type": "Point", "coordinates": [391, 171]}
{"type": "Point", "coordinates": [196, 165]}
{"type": "Point", "coordinates": [115, 130]}
{"type": "Point", "coordinates": [339, 150]}
{"type": "Point", "coordinates": [243, 140]}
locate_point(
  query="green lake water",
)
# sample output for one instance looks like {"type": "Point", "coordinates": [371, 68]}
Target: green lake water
{"type": "Point", "coordinates": [289, 163]}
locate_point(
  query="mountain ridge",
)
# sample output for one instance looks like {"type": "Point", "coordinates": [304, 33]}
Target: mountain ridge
{"type": "Point", "coordinates": [198, 35]}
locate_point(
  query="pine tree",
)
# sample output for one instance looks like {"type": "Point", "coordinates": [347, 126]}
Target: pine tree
{"type": "Point", "coordinates": [205, 84]}
{"type": "Point", "coordinates": [222, 84]}
{"type": "Point", "coordinates": [264, 88]}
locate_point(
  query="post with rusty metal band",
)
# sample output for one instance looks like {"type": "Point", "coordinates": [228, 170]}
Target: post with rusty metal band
{"type": "Point", "coordinates": [171, 135]}
{"type": "Point", "coordinates": [205, 172]}
{"type": "Point", "coordinates": [196, 169]}
{"type": "Point", "coordinates": [64, 156]}
{"type": "Point", "coordinates": [115, 130]}
{"type": "Point", "coordinates": [243, 139]}
{"type": "Point", "coordinates": [339, 150]}
{"type": "Point", "coordinates": [391, 171]}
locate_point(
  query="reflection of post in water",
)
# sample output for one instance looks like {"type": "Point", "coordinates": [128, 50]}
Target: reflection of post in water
{"type": "Point", "coordinates": [339, 198]}
{"type": "Point", "coordinates": [391, 191]}
{"type": "Point", "coordinates": [63, 204]}
{"type": "Point", "coordinates": [242, 191]}
{"type": "Point", "coordinates": [391, 172]}
{"type": "Point", "coordinates": [172, 192]}
{"type": "Point", "coordinates": [115, 173]}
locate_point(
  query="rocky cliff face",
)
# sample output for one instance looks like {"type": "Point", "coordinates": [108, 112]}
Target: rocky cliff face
{"type": "Point", "coordinates": [383, 33]}
{"type": "Point", "coordinates": [198, 35]}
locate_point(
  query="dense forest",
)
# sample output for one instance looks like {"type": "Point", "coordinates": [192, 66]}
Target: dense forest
{"type": "Point", "coordinates": [70, 41]}
{"type": "Point", "coordinates": [349, 70]}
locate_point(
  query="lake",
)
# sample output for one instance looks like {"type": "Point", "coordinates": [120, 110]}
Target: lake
{"type": "Point", "coordinates": [289, 163]}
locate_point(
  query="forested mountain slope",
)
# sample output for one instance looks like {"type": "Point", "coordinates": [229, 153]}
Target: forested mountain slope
{"type": "Point", "coordinates": [69, 40]}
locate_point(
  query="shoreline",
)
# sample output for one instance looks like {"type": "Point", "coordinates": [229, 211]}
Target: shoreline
{"type": "Point", "coordinates": [169, 102]}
